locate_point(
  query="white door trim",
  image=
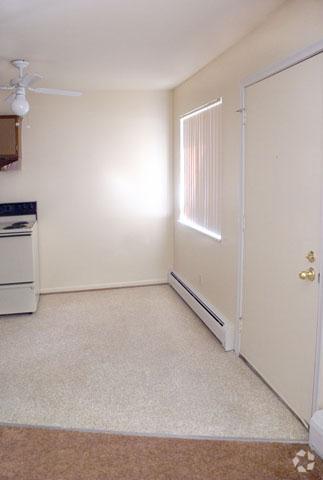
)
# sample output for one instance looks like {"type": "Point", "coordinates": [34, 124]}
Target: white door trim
{"type": "Point", "coordinates": [288, 62]}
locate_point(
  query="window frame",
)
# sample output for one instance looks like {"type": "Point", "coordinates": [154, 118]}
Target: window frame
{"type": "Point", "coordinates": [182, 219]}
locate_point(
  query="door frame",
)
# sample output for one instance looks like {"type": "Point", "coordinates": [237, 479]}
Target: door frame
{"type": "Point", "coordinates": [290, 61]}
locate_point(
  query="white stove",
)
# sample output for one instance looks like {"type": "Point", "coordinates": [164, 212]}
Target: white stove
{"type": "Point", "coordinates": [19, 278]}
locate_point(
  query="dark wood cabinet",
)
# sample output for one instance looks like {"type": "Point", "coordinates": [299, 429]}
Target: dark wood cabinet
{"type": "Point", "coordinates": [10, 139]}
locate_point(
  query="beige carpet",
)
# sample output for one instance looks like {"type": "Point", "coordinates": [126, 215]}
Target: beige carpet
{"type": "Point", "coordinates": [131, 360]}
{"type": "Point", "coordinates": [34, 454]}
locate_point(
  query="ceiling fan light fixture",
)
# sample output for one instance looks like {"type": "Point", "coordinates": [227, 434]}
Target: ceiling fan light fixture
{"type": "Point", "coordinates": [20, 105]}
{"type": "Point", "coordinates": [21, 85]}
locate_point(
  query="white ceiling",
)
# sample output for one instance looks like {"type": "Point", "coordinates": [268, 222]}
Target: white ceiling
{"type": "Point", "coordinates": [118, 44]}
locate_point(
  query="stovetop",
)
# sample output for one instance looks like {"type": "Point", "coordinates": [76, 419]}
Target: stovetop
{"type": "Point", "coordinates": [15, 225]}
{"type": "Point", "coordinates": [17, 218]}
{"type": "Point", "coordinates": [11, 227]}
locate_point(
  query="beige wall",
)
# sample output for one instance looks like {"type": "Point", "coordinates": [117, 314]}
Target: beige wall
{"type": "Point", "coordinates": [99, 168]}
{"type": "Point", "coordinates": [294, 26]}
{"type": "Point", "coordinates": [211, 266]}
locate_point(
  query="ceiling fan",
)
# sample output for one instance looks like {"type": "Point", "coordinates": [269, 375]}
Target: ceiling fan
{"type": "Point", "coordinates": [17, 99]}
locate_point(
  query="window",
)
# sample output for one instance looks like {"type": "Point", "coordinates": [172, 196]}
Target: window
{"type": "Point", "coordinates": [200, 169]}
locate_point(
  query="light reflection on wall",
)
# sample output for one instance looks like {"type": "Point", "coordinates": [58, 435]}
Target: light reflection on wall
{"type": "Point", "coordinates": [143, 193]}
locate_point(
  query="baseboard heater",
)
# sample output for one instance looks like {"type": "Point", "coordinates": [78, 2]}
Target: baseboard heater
{"type": "Point", "coordinates": [218, 325]}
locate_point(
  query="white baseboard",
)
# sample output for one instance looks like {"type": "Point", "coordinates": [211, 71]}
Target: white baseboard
{"type": "Point", "coordinates": [104, 286]}
{"type": "Point", "coordinates": [221, 327]}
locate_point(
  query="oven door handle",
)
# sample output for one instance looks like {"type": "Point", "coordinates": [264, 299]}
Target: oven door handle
{"type": "Point", "coordinates": [15, 235]}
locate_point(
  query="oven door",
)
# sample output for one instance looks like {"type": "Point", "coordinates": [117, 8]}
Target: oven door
{"type": "Point", "coordinates": [16, 259]}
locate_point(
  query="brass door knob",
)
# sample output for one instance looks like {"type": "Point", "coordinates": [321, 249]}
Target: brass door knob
{"type": "Point", "coordinates": [308, 274]}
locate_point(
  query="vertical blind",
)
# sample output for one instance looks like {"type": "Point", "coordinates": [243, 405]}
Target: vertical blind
{"type": "Point", "coordinates": [200, 176]}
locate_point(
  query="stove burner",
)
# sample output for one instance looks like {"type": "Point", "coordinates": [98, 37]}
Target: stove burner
{"type": "Point", "coordinates": [16, 225]}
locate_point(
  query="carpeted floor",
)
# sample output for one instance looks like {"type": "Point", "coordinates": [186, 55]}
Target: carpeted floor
{"type": "Point", "coordinates": [131, 360]}
{"type": "Point", "coordinates": [42, 454]}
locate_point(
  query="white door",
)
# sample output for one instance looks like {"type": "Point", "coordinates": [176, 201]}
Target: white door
{"type": "Point", "coordinates": [283, 181]}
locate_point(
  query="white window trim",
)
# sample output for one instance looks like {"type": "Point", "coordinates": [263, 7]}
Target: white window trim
{"type": "Point", "coordinates": [182, 219]}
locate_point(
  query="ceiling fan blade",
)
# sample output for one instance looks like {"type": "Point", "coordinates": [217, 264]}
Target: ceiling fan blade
{"type": "Point", "coordinates": [6, 87]}
{"type": "Point", "coordinates": [11, 98]}
{"type": "Point", "coordinates": [29, 79]}
{"type": "Point", "coordinates": [55, 91]}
